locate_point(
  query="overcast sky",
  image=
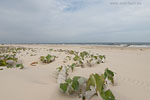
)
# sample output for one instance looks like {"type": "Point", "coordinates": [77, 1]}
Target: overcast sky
{"type": "Point", "coordinates": [51, 21]}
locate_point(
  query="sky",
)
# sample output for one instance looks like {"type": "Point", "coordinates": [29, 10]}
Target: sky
{"type": "Point", "coordinates": [74, 21]}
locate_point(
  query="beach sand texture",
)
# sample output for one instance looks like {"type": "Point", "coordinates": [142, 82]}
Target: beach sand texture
{"type": "Point", "coordinates": [132, 65]}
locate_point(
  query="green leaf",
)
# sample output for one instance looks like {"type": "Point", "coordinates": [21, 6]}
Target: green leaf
{"type": "Point", "coordinates": [99, 83]}
{"type": "Point", "coordinates": [20, 65]}
{"type": "Point", "coordinates": [71, 52]}
{"type": "Point", "coordinates": [108, 95]}
{"type": "Point", "coordinates": [76, 58]}
{"type": "Point", "coordinates": [101, 57]}
{"type": "Point", "coordinates": [72, 66]}
{"type": "Point", "coordinates": [109, 74]}
{"type": "Point", "coordinates": [95, 57]}
{"type": "Point", "coordinates": [76, 78]}
{"type": "Point", "coordinates": [9, 66]}
{"type": "Point", "coordinates": [84, 54]}
{"type": "Point", "coordinates": [3, 63]}
{"type": "Point", "coordinates": [64, 86]}
{"type": "Point", "coordinates": [75, 83]}
{"type": "Point", "coordinates": [98, 62]}
{"type": "Point", "coordinates": [42, 58]}
{"type": "Point", "coordinates": [90, 82]}
{"type": "Point", "coordinates": [48, 58]}
{"type": "Point", "coordinates": [59, 68]}
{"type": "Point", "coordinates": [69, 80]}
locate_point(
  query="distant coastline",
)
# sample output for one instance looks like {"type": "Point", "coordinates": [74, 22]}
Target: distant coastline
{"type": "Point", "coordinates": [120, 44]}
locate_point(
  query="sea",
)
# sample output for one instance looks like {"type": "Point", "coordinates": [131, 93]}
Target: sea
{"type": "Point", "coordinates": [117, 44]}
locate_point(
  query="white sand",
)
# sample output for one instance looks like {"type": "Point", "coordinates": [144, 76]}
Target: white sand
{"type": "Point", "coordinates": [132, 66]}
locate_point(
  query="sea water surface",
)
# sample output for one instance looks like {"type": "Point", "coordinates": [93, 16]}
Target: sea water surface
{"type": "Point", "coordinates": [117, 44]}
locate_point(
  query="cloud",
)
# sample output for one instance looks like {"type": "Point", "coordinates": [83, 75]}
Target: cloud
{"type": "Point", "coordinates": [73, 21]}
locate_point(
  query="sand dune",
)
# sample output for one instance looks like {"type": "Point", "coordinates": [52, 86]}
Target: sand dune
{"type": "Point", "coordinates": [38, 82]}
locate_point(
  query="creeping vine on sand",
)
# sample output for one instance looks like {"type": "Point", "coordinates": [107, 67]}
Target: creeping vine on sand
{"type": "Point", "coordinates": [86, 87]}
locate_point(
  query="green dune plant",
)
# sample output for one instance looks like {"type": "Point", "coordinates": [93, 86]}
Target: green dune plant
{"type": "Point", "coordinates": [10, 49]}
{"type": "Point", "coordinates": [72, 52]}
{"type": "Point", "coordinates": [86, 88]}
{"type": "Point", "coordinates": [99, 82]}
{"type": "Point", "coordinates": [47, 59]}
{"type": "Point", "coordinates": [10, 61]}
{"type": "Point", "coordinates": [7, 60]}
{"type": "Point", "coordinates": [96, 84]}
{"type": "Point", "coordinates": [85, 58]}
{"type": "Point", "coordinates": [20, 66]}
{"type": "Point", "coordinates": [109, 75]}
{"type": "Point", "coordinates": [3, 63]}
{"type": "Point", "coordinates": [1, 68]}
{"type": "Point", "coordinates": [72, 85]}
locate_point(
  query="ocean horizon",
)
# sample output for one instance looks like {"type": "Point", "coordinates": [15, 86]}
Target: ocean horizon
{"type": "Point", "coordinates": [122, 44]}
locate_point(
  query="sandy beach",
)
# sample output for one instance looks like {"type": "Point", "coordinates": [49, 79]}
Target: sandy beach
{"type": "Point", "coordinates": [39, 82]}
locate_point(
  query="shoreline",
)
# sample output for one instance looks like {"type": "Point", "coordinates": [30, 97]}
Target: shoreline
{"type": "Point", "coordinates": [105, 44]}
{"type": "Point", "coordinates": [83, 46]}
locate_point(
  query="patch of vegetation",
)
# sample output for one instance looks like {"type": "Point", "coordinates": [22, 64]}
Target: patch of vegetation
{"type": "Point", "coordinates": [11, 49]}
{"type": "Point", "coordinates": [72, 85]}
{"type": "Point", "coordinates": [85, 58]}
{"type": "Point", "coordinates": [32, 54]}
{"type": "Point", "coordinates": [86, 87]}
{"type": "Point", "coordinates": [99, 82]}
{"type": "Point", "coordinates": [47, 59]}
{"type": "Point", "coordinates": [109, 75]}
{"type": "Point", "coordinates": [9, 61]}
{"type": "Point", "coordinates": [1, 68]}
{"type": "Point", "coordinates": [3, 63]}
{"type": "Point", "coordinates": [95, 85]}
{"type": "Point", "coordinates": [19, 66]}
